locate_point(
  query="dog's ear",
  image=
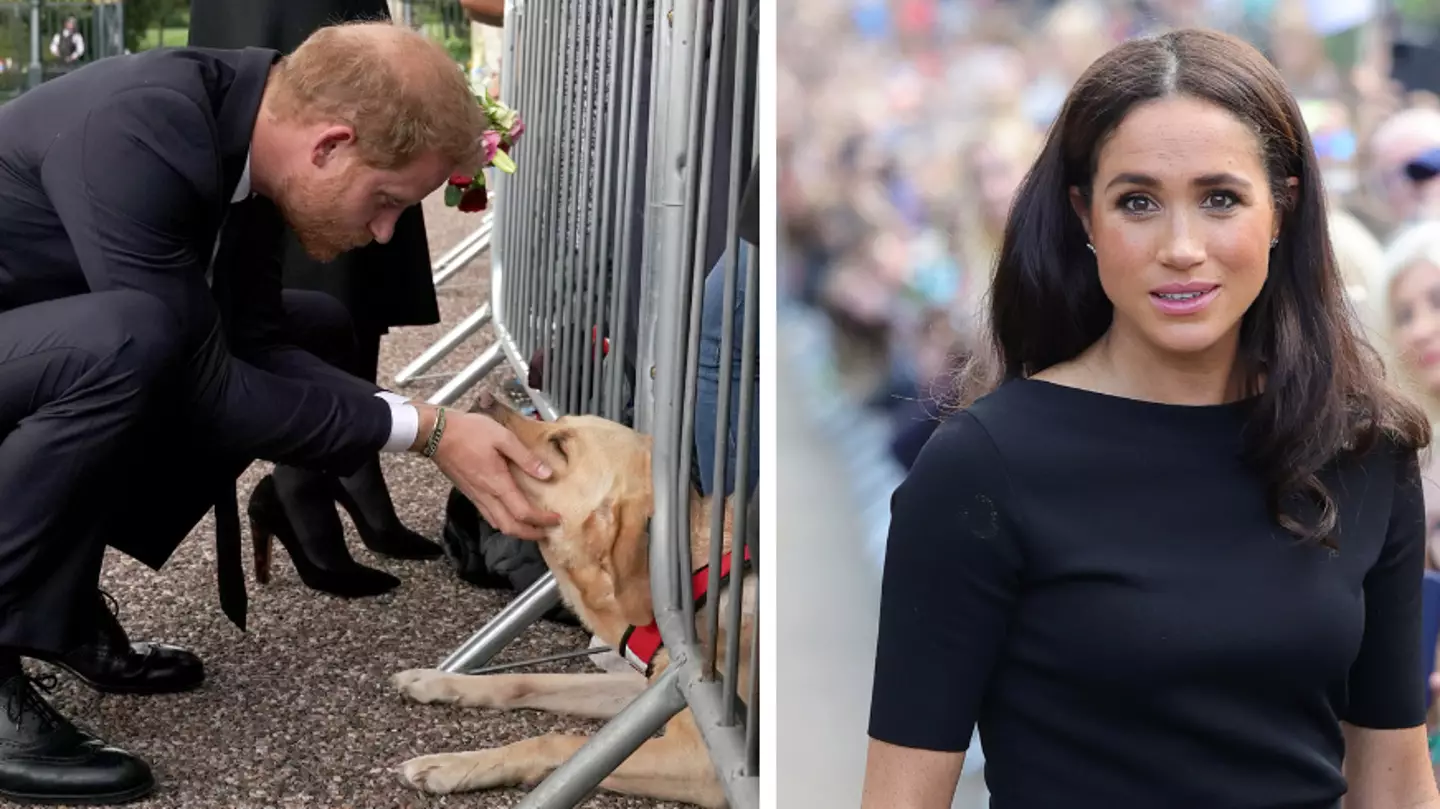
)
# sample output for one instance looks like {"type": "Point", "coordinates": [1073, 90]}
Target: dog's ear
{"type": "Point", "coordinates": [628, 561]}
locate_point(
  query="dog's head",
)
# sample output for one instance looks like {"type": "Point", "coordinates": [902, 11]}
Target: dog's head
{"type": "Point", "coordinates": [602, 491]}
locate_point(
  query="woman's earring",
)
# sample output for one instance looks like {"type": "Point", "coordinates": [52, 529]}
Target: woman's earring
{"type": "Point", "coordinates": [1274, 242]}
{"type": "Point", "coordinates": [1091, 246]}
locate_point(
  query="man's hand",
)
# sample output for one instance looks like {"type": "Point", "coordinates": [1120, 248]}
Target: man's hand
{"type": "Point", "coordinates": [475, 452]}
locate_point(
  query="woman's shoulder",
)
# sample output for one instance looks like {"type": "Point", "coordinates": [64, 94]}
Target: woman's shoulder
{"type": "Point", "coordinates": [982, 427]}
{"type": "Point", "coordinates": [972, 443]}
{"type": "Point", "coordinates": [960, 437]}
{"type": "Point", "coordinates": [959, 469]}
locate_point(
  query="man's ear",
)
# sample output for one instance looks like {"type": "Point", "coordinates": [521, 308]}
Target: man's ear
{"type": "Point", "coordinates": [1082, 209]}
{"type": "Point", "coordinates": [328, 142]}
{"type": "Point", "coordinates": [628, 562]}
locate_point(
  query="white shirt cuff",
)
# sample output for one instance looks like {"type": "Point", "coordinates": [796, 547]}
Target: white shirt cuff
{"type": "Point", "coordinates": [404, 422]}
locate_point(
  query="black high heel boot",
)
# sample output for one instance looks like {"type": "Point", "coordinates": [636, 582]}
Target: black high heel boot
{"type": "Point", "coordinates": [366, 498]}
{"type": "Point", "coordinates": [319, 556]}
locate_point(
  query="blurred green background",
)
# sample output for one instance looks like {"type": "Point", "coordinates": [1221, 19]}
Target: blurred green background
{"type": "Point", "coordinates": [109, 27]}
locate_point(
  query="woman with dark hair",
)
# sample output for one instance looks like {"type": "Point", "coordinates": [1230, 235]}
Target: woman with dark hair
{"type": "Point", "coordinates": [1170, 552]}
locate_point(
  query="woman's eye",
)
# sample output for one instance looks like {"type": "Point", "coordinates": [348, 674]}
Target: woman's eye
{"type": "Point", "coordinates": [1129, 204]}
{"type": "Point", "coordinates": [1224, 200]}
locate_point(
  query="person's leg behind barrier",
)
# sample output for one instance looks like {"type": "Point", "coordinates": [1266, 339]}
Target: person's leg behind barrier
{"type": "Point", "coordinates": [76, 382]}
{"type": "Point", "coordinates": [707, 405]}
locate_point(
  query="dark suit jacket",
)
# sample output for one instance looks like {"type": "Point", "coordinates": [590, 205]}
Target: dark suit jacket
{"type": "Point", "coordinates": [380, 284]}
{"type": "Point", "coordinates": [118, 176]}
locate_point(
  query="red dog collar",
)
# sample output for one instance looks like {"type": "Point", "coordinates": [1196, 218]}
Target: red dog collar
{"type": "Point", "coordinates": [642, 644]}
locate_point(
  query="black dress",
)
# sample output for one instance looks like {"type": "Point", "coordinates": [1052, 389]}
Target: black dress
{"type": "Point", "coordinates": [1097, 583]}
{"type": "Point", "coordinates": [382, 285]}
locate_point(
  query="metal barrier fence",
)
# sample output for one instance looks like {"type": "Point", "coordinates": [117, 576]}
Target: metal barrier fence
{"type": "Point", "coordinates": [606, 268]}
{"type": "Point", "coordinates": [564, 278]}
{"type": "Point", "coordinates": [31, 32]}
{"type": "Point", "coordinates": [719, 691]}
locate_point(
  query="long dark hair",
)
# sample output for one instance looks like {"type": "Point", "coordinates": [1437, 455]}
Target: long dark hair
{"type": "Point", "coordinates": [1319, 389]}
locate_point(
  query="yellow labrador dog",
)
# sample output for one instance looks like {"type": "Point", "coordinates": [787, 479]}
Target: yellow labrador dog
{"type": "Point", "coordinates": [599, 554]}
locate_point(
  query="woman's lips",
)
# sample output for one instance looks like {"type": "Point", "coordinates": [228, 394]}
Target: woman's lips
{"type": "Point", "coordinates": [1183, 299]}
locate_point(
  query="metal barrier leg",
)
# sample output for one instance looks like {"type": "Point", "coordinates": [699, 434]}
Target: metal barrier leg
{"type": "Point", "coordinates": [455, 259]}
{"type": "Point", "coordinates": [465, 251]}
{"type": "Point", "coordinates": [452, 339]}
{"type": "Point", "coordinates": [468, 250]}
{"type": "Point", "coordinates": [725, 740]}
{"type": "Point", "coordinates": [477, 370]}
{"type": "Point", "coordinates": [577, 778]}
{"type": "Point", "coordinates": [518, 615]}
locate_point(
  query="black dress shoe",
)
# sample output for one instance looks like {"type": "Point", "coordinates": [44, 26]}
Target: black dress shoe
{"type": "Point", "coordinates": [46, 759]}
{"type": "Point", "coordinates": [111, 664]}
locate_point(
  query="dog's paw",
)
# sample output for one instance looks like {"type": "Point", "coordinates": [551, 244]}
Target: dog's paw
{"type": "Point", "coordinates": [426, 685]}
{"type": "Point", "coordinates": [446, 773]}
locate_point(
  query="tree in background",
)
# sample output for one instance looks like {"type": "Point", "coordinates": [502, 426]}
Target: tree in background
{"type": "Point", "coordinates": [143, 15]}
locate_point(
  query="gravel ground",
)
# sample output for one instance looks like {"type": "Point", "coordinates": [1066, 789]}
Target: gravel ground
{"type": "Point", "coordinates": [298, 711]}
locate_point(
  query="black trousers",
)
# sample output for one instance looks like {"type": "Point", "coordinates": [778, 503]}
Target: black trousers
{"type": "Point", "coordinates": [94, 450]}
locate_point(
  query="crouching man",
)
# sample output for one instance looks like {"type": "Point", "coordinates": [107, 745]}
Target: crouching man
{"type": "Point", "coordinates": [148, 353]}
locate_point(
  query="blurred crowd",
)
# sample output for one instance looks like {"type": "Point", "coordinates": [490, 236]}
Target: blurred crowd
{"type": "Point", "coordinates": [906, 125]}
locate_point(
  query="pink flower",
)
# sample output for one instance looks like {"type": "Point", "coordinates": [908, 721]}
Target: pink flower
{"type": "Point", "coordinates": [516, 131]}
{"type": "Point", "coordinates": [491, 141]}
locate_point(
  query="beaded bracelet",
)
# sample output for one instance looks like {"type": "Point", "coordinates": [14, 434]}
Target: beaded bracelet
{"type": "Point", "coordinates": [434, 442]}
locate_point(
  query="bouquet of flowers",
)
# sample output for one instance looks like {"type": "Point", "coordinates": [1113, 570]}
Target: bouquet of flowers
{"type": "Point", "coordinates": [467, 192]}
